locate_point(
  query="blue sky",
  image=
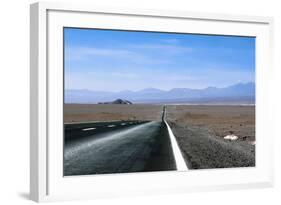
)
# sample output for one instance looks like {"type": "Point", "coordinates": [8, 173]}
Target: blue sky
{"type": "Point", "coordinates": [105, 60]}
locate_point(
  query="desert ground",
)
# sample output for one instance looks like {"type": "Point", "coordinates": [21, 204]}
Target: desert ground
{"type": "Point", "coordinates": [110, 112]}
{"type": "Point", "coordinates": [200, 130]}
{"type": "Point", "coordinates": [218, 119]}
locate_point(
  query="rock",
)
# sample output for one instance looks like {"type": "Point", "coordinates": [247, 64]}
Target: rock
{"type": "Point", "coordinates": [118, 101]}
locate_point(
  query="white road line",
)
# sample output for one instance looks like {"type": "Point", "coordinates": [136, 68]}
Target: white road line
{"type": "Point", "coordinates": [180, 163]}
{"type": "Point", "coordinates": [111, 125]}
{"type": "Point", "coordinates": [90, 128]}
{"type": "Point", "coordinates": [88, 122]}
{"type": "Point", "coordinates": [123, 124]}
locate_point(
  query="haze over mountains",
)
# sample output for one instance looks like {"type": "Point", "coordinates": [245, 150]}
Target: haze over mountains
{"type": "Point", "coordinates": [241, 93]}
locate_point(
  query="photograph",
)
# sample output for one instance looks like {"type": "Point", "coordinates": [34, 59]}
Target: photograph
{"type": "Point", "coordinates": [147, 101]}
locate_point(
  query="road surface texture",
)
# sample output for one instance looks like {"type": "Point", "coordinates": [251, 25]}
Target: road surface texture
{"type": "Point", "coordinates": [142, 146]}
{"type": "Point", "coordinates": [203, 151]}
{"type": "Point", "coordinates": [117, 147]}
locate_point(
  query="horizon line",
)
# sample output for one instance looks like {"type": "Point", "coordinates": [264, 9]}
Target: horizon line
{"type": "Point", "coordinates": [249, 82]}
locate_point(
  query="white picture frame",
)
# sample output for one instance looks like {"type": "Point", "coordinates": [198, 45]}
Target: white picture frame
{"type": "Point", "coordinates": [46, 180]}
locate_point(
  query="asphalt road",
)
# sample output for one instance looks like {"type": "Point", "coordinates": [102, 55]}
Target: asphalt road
{"type": "Point", "coordinates": [77, 131]}
{"type": "Point", "coordinates": [117, 147]}
{"type": "Point", "coordinates": [141, 146]}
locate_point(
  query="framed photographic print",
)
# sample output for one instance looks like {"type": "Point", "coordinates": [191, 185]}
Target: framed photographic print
{"type": "Point", "coordinates": [127, 102]}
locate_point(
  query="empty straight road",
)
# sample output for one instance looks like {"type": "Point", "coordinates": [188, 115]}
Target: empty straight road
{"type": "Point", "coordinates": [117, 147]}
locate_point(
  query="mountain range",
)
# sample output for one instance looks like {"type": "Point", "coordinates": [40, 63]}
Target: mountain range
{"type": "Point", "coordinates": [236, 94]}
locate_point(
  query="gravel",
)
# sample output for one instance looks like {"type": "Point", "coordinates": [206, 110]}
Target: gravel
{"type": "Point", "coordinates": [204, 151]}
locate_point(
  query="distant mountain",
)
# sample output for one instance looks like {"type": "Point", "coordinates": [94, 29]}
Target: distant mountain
{"type": "Point", "coordinates": [118, 101]}
{"type": "Point", "coordinates": [238, 93]}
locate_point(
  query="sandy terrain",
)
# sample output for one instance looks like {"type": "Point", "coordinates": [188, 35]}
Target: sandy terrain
{"type": "Point", "coordinates": [200, 132]}
{"type": "Point", "coordinates": [220, 120]}
{"type": "Point", "coordinates": [199, 129]}
{"type": "Point", "coordinates": [109, 112]}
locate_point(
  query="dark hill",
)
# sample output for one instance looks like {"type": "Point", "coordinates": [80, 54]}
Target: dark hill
{"type": "Point", "coordinates": [118, 101]}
